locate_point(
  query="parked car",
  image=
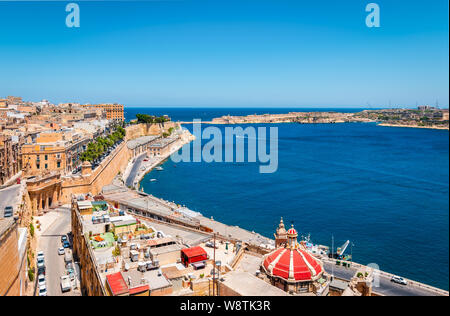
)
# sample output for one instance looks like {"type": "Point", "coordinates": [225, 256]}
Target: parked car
{"type": "Point", "coordinates": [68, 257]}
{"type": "Point", "coordinates": [61, 251]}
{"type": "Point", "coordinates": [69, 267]}
{"type": "Point", "coordinates": [8, 212]}
{"type": "Point", "coordinates": [72, 275]}
{"type": "Point", "coordinates": [399, 280]}
{"type": "Point", "coordinates": [40, 255]}
{"type": "Point", "coordinates": [40, 263]}
{"type": "Point", "coordinates": [63, 238]}
{"type": "Point", "coordinates": [42, 290]}
{"type": "Point", "coordinates": [41, 279]}
{"type": "Point", "coordinates": [65, 283]}
{"type": "Point", "coordinates": [210, 244]}
{"type": "Point", "coordinates": [66, 244]}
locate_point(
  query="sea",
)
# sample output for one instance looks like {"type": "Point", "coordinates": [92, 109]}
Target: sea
{"type": "Point", "coordinates": [386, 189]}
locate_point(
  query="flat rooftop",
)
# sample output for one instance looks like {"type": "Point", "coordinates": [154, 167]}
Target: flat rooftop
{"type": "Point", "coordinates": [149, 204]}
{"type": "Point", "coordinates": [189, 237]}
{"type": "Point", "coordinates": [164, 142]}
{"type": "Point", "coordinates": [165, 249]}
{"type": "Point", "coordinates": [237, 233]}
{"type": "Point", "coordinates": [248, 285]}
{"type": "Point", "coordinates": [132, 144]}
{"type": "Point", "coordinates": [152, 278]}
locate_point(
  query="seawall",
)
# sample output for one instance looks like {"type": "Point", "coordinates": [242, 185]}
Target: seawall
{"type": "Point", "coordinates": [113, 164]}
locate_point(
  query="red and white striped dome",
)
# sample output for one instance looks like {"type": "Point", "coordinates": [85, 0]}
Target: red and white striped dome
{"type": "Point", "coordinates": [292, 232]}
{"type": "Point", "coordinates": [292, 265]}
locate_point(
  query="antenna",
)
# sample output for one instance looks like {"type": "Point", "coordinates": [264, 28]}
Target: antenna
{"type": "Point", "coordinates": [332, 254]}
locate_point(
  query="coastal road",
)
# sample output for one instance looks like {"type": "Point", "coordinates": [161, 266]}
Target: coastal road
{"type": "Point", "coordinates": [134, 170]}
{"type": "Point", "coordinates": [8, 197]}
{"type": "Point", "coordinates": [49, 243]}
{"type": "Point", "coordinates": [385, 286]}
{"type": "Point", "coordinates": [388, 288]}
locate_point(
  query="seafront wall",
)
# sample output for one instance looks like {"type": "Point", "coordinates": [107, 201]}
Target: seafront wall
{"type": "Point", "coordinates": [116, 162]}
{"type": "Point", "coordinates": [98, 178]}
{"type": "Point", "coordinates": [185, 138]}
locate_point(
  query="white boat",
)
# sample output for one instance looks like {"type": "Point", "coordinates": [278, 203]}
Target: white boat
{"type": "Point", "coordinates": [153, 180]}
{"type": "Point", "coordinates": [159, 168]}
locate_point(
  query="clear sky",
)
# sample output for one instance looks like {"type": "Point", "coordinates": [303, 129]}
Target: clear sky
{"type": "Point", "coordinates": [227, 53]}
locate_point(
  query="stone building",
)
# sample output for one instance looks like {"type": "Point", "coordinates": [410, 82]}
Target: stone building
{"type": "Point", "coordinates": [91, 282]}
{"type": "Point", "coordinates": [10, 163]}
{"type": "Point", "coordinates": [44, 191]}
{"type": "Point", "coordinates": [141, 144]}
{"type": "Point", "coordinates": [53, 152]}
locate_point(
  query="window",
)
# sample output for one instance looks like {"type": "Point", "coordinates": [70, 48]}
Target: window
{"type": "Point", "coordinates": [38, 166]}
{"type": "Point", "coordinates": [46, 166]}
{"type": "Point", "coordinates": [58, 164]}
{"type": "Point", "coordinates": [46, 157]}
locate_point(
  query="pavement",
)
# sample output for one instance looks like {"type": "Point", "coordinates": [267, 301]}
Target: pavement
{"type": "Point", "coordinates": [339, 272]}
{"type": "Point", "coordinates": [49, 242]}
{"type": "Point", "coordinates": [8, 197]}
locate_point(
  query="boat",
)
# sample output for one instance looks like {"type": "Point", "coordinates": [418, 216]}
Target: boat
{"type": "Point", "coordinates": [159, 168]}
{"type": "Point", "coordinates": [153, 180]}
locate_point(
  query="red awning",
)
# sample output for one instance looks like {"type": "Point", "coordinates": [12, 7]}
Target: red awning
{"type": "Point", "coordinates": [194, 252]}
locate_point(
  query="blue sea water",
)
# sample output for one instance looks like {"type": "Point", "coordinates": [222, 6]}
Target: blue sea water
{"type": "Point", "coordinates": [384, 188]}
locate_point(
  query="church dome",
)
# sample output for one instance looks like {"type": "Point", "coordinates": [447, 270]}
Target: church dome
{"type": "Point", "coordinates": [292, 265]}
{"type": "Point", "coordinates": [292, 262]}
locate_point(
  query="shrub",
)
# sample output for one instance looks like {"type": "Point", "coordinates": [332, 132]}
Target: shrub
{"type": "Point", "coordinates": [31, 275]}
{"type": "Point", "coordinates": [116, 252]}
{"type": "Point", "coordinates": [31, 230]}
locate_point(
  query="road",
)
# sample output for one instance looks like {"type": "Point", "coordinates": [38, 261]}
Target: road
{"type": "Point", "coordinates": [8, 197]}
{"type": "Point", "coordinates": [339, 271]}
{"type": "Point", "coordinates": [385, 286]}
{"type": "Point", "coordinates": [49, 243]}
{"type": "Point", "coordinates": [389, 288]}
{"type": "Point", "coordinates": [134, 171]}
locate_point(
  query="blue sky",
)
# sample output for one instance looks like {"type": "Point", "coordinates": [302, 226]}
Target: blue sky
{"type": "Point", "coordinates": [227, 53]}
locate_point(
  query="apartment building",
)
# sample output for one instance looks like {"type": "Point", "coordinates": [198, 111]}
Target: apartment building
{"type": "Point", "coordinates": [53, 151]}
{"type": "Point", "coordinates": [113, 111]}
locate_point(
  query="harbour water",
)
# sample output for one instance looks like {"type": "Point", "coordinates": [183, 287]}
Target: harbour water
{"type": "Point", "coordinates": [386, 189]}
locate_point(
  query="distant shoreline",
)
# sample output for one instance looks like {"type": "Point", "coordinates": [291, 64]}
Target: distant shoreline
{"type": "Point", "coordinates": [285, 122]}
{"type": "Point", "coordinates": [413, 126]}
